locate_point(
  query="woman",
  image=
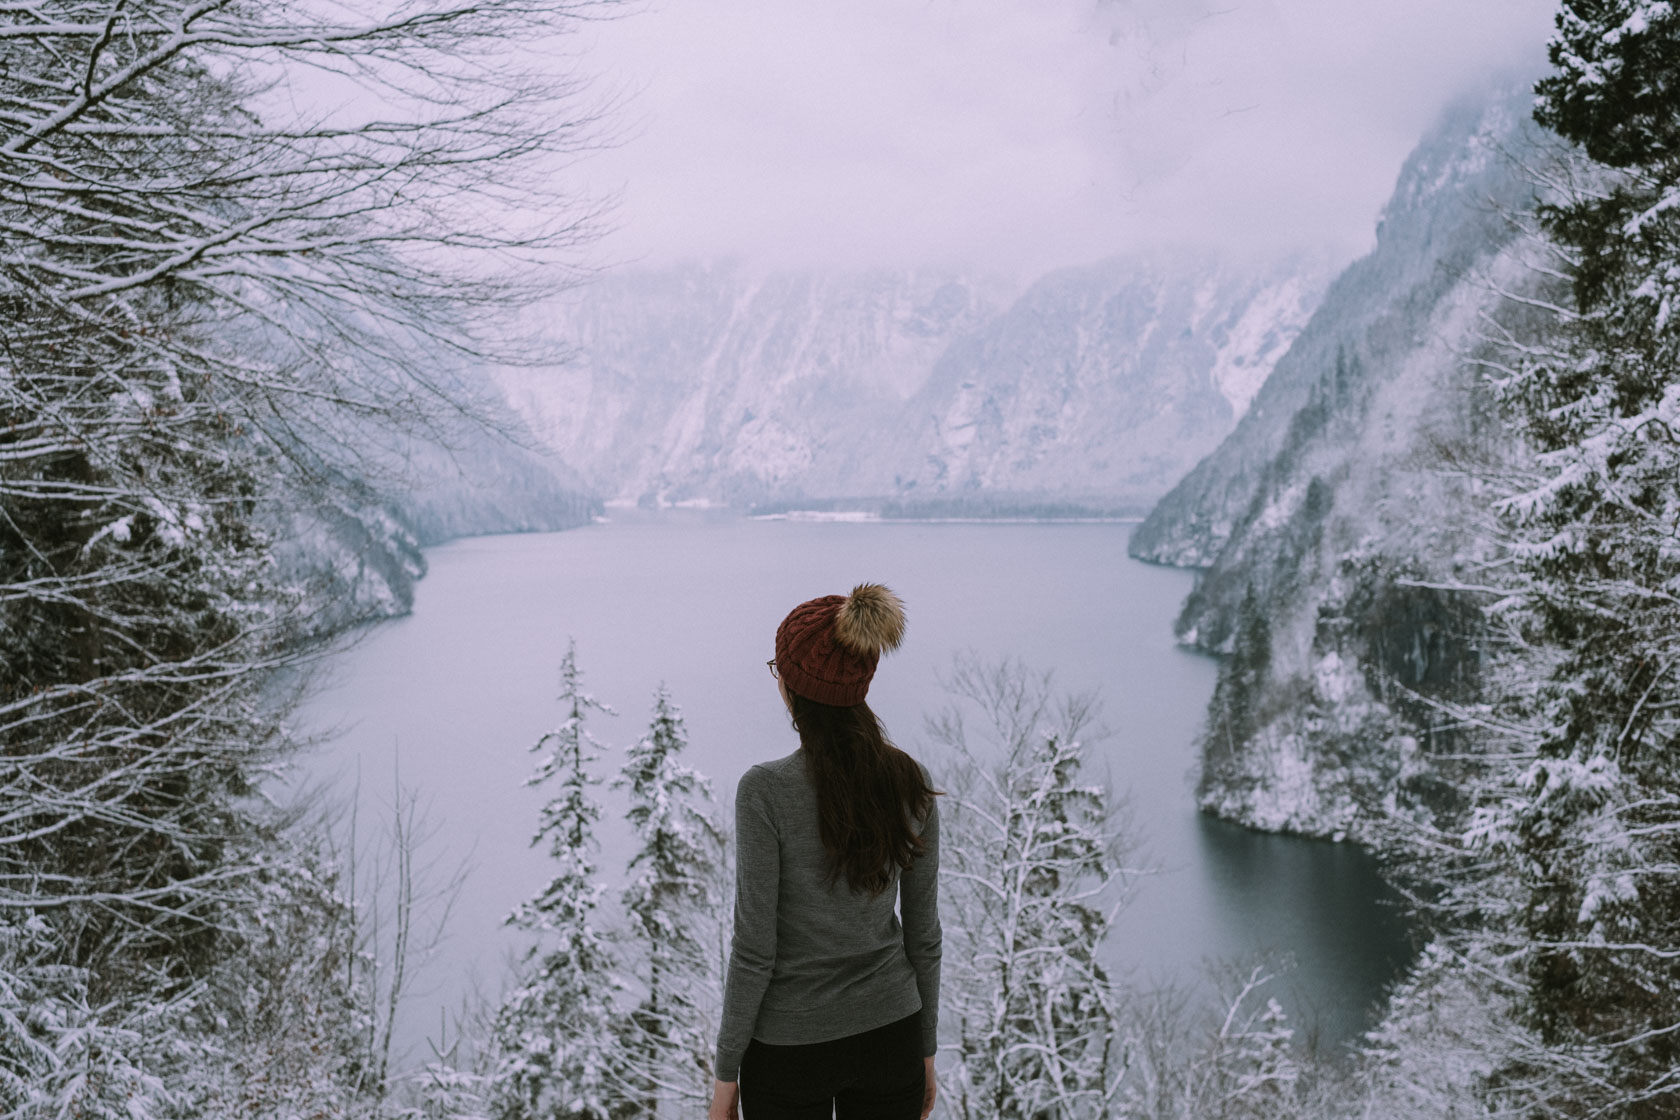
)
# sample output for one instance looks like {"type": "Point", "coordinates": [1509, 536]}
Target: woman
{"type": "Point", "coordinates": [831, 1007]}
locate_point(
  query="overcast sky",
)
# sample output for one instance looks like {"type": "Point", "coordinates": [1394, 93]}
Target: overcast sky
{"type": "Point", "coordinates": [1021, 134]}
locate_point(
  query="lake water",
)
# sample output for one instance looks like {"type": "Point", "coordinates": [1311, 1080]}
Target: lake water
{"type": "Point", "coordinates": [449, 699]}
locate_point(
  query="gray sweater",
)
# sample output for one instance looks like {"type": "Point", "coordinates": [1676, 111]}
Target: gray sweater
{"type": "Point", "coordinates": [810, 962]}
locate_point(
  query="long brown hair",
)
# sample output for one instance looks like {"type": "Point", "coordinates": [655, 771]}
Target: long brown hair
{"type": "Point", "coordinates": [868, 793]}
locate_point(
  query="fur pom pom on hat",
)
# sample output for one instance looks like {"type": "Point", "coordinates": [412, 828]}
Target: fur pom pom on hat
{"type": "Point", "coordinates": [827, 648]}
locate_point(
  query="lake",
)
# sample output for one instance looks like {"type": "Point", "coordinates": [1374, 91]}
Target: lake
{"type": "Point", "coordinates": [448, 701]}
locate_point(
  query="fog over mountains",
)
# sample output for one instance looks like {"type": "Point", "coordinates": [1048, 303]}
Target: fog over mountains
{"type": "Point", "coordinates": [1099, 385]}
{"type": "Point", "coordinates": [1285, 423]}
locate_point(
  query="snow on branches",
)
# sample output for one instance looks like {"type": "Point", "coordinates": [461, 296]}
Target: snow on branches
{"type": "Point", "coordinates": [674, 905]}
{"type": "Point", "coordinates": [1033, 879]}
{"type": "Point", "coordinates": [1580, 814]}
{"type": "Point", "coordinates": [217, 295]}
{"type": "Point", "coordinates": [552, 1033]}
{"type": "Point", "coordinates": [614, 1014]}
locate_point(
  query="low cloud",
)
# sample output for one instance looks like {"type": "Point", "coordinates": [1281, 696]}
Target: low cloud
{"type": "Point", "coordinates": [1020, 134]}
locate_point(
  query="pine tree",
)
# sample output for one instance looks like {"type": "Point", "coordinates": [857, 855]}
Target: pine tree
{"type": "Point", "coordinates": [1591, 822]}
{"type": "Point", "coordinates": [1243, 679]}
{"type": "Point", "coordinates": [673, 902]}
{"type": "Point", "coordinates": [1245, 674]}
{"type": "Point", "coordinates": [555, 1056]}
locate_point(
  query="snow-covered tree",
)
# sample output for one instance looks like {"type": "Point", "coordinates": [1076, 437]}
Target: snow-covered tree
{"type": "Point", "coordinates": [1248, 1067]}
{"type": "Point", "coordinates": [241, 240]}
{"type": "Point", "coordinates": [292, 1016]}
{"type": "Point", "coordinates": [1570, 882]}
{"type": "Point", "coordinates": [58, 1055]}
{"type": "Point", "coordinates": [556, 1054]}
{"type": "Point", "coordinates": [1032, 879]}
{"type": "Point", "coordinates": [673, 901]}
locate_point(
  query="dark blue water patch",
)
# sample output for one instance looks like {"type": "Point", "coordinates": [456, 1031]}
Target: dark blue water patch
{"type": "Point", "coordinates": [1321, 913]}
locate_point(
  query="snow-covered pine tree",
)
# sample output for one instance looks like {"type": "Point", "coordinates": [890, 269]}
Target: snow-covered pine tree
{"type": "Point", "coordinates": [556, 1054]}
{"type": "Point", "coordinates": [1591, 820]}
{"type": "Point", "coordinates": [674, 905]}
{"type": "Point", "coordinates": [1032, 873]}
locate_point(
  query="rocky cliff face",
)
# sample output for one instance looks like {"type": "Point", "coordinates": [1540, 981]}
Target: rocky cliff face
{"type": "Point", "coordinates": [1099, 384]}
{"type": "Point", "coordinates": [1448, 215]}
{"type": "Point", "coordinates": [1332, 518]}
{"type": "Point", "coordinates": [1103, 381]}
{"type": "Point", "coordinates": [711, 383]}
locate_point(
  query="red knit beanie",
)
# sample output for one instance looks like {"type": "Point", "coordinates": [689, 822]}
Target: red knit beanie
{"type": "Point", "coordinates": [827, 648]}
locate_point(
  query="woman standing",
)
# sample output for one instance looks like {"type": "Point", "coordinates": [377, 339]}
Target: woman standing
{"type": "Point", "coordinates": [831, 1007]}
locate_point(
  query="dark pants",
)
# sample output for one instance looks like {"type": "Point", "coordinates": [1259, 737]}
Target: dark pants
{"type": "Point", "coordinates": [876, 1075]}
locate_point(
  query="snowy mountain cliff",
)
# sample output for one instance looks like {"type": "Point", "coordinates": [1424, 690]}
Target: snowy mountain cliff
{"type": "Point", "coordinates": [1098, 385]}
{"type": "Point", "coordinates": [1321, 520]}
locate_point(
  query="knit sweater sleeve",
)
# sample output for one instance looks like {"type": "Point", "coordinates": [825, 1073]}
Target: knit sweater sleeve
{"type": "Point", "coordinates": [752, 950]}
{"type": "Point", "coordinates": [918, 903]}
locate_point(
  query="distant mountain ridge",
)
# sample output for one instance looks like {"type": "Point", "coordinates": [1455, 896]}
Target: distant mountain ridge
{"type": "Point", "coordinates": [1096, 385]}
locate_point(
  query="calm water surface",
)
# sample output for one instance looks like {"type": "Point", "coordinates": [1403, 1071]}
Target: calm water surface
{"type": "Point", "coordinates": [450, 699]}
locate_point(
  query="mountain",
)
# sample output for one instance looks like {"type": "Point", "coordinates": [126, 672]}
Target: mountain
{"type": "Point", "coordinates": [1096, 385]}
{"type": "Point", "coordinates": [355, 542]}
{"type": "Point", "coordinates": [1449, 211]}
{"type": "Point", "coordinates": [1103, 382]}
{"type": "Point", "coordinates": [1333, 519]}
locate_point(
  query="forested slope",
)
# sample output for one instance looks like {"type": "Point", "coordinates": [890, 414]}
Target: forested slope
{"type": "Point", "coordinates": [356, 543]}
{"type": "Point", "coordinates": [1449, 213]}
{"type": "Point", "coordinates": [1445, 588]}
{"type": "Point", "coordinates": [1339, 487]}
